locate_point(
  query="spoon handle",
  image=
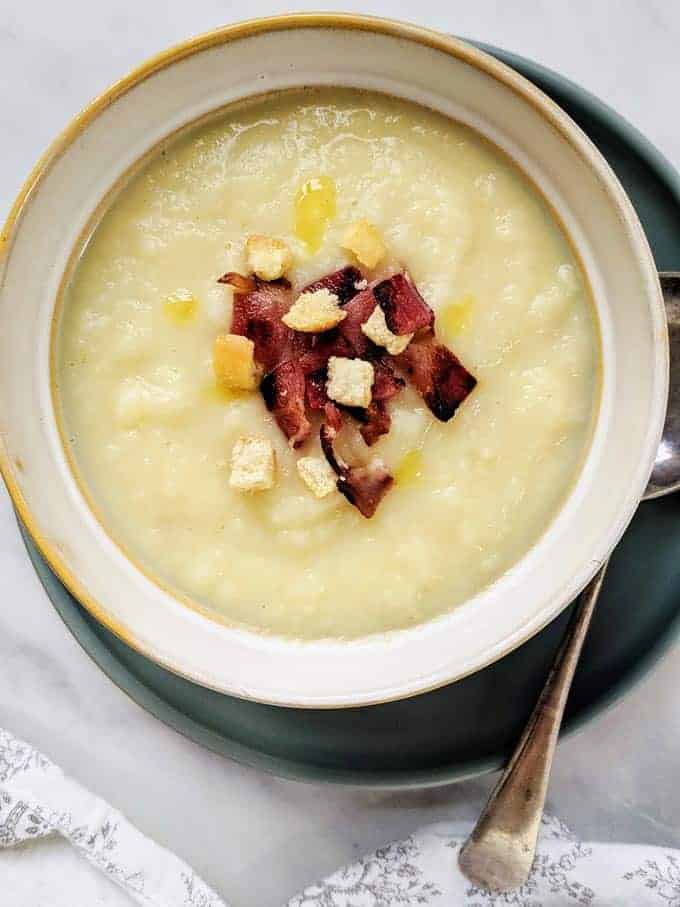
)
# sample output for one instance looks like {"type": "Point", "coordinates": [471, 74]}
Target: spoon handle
{"type": "Point", "coordinates": [499, 853]}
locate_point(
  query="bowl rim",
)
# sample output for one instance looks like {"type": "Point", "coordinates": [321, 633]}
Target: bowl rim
{"type": "Point", "coordinates": [429, 38]}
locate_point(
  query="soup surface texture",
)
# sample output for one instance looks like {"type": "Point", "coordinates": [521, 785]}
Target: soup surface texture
{"type": "Point", "coordinates": [152, 435]}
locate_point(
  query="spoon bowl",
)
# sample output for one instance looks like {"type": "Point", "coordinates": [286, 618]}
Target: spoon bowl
{"type": "Point", "coordinates": [665, 477]}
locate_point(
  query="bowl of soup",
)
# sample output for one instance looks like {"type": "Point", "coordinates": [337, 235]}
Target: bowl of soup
{"type": "Point", "coordinates": [333, 359]}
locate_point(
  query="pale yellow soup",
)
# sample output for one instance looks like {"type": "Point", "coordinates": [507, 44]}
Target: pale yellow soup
{"type": "Point", "coordinates": [152, 437]}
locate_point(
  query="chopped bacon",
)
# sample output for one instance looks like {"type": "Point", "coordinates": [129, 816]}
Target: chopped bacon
{"type": "Point", "coordinates": [363, 486]}
{"type": "Point", "coordinates": [327, 435]}
{"type": "Point", "coordinates": [283, 390]}
{"type": "Point", "coordinates": [314, 350]}
{"type": "Point", "coordinates": [342, 283]}
{"type": "Point", "coordinates": [359, 310]}
{"type": "Point", "coordinates": [438, 375]}
{"type": "Point", "coordinates": [239, 282]}
{"type": "Point", "coordinates": [333, 416]}
{"type": "Point", "coordinates": [257, 315]}
{"type": "Point", "coordinates": [404, 308]}
{"type": "Point", "coordinates": [385, 383]}
{"type": "Point", "coordinates": [317, 399]}
{"type": "Point", "coordinates": [296, 365]}
{"type": "Point", "coordinates": [376, 420]}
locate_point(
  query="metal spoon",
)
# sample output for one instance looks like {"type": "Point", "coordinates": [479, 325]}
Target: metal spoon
{"type": "Point", "coordinates": [499, 853]}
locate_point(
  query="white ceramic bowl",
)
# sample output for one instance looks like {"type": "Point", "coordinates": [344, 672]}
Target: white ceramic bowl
{"type": "Point", "coordinates": [205, 73]}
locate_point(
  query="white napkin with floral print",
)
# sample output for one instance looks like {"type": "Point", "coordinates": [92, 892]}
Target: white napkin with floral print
{"type": "Point", "coordinates": [37, 800]}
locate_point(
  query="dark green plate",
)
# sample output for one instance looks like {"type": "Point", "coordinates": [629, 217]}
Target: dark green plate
{"type": "Point", "coordinates": [470, 726]}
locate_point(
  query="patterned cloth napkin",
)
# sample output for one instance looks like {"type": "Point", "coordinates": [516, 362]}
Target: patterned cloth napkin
{"type": "Point", "coordinates": [37, 799]}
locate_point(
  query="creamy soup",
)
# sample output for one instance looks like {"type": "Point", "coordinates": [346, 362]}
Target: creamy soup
{"type": "Point", "coordinates": [152, 435]}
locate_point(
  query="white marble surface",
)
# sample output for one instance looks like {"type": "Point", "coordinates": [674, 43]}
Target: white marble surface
{"type": "Point", "coordinates": [257, 839]}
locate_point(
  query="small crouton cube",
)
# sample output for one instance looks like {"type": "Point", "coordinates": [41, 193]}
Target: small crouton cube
{"type": "Point", "coordinates": [314, 312]}
{"type": "Point", "coordinates": [349, 381]}
{"type": "Point", "coordinates": [365, 242]}
{"type": "Point", "coordinates": [252, 465]}
{"type": "Point", "coordinates": [269, 258]}
{"type": "Point", "coordinates": [233, 362]}
{"type": "Point", "coordinates": [376, 330]}
{"type": "Point", "coordinates": [317, 475]}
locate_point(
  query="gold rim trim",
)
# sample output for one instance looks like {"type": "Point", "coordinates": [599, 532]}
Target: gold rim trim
{"type": "Point", "coordinates": [222, 35]}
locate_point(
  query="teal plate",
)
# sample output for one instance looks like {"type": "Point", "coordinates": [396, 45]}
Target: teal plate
{"type": "Point", "coordinates": [468, 727]}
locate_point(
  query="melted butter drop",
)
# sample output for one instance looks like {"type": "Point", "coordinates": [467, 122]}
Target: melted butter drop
{"type": "Point", "coordinates": [180, 306]}
{"type": "Point", "coordinates": [455, 318]}
{"type": "Point", "coordinates": [314, 209]}
{"type": "Point", "coordinates": [410, 469]}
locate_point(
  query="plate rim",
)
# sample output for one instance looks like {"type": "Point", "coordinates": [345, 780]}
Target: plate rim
{"type": "Point", "coordinates": [76, 620]}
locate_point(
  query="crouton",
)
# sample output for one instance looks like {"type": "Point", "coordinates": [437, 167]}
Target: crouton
{"type": "Point", "coordinates": [269, 258]}
{"type": "Point", "coordinates": [364, 241]}
{"type": "Point", "coordinates": [317, 475]}
{"type": "Point", "coordinates": [376, 330]}
{"type": "Point", "coordinates": [350, 381]}
{"type": "Point", "coordinates": [234, 363]}
{"type": "Point", "coordinates": [314, 312]}
{"type": "Point", "coordinates": [252, 465]}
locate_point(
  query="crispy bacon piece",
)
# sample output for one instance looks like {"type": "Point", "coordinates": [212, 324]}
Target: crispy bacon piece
{"type": "Point", "coordinates": [258, 308]}
{"type": "Point", "coordinates": [358, 310]}
{"type": "Point", "coordinates": [318, 400]}
{"type": "Point", "coordinates": [333, 416]}
{"type": "Point", "coordinates": [283, 390]}
{"type": "Point", "coordinates": [438, 375]}
{"type": "Point", "coordinates": [239, 282]}
{"type": "Point", "coordinates": [341, 282]}
{"type": "Point", "coordinates": [314, 350]}
{"type": "Point", "coordinates": [327, 435]}
{"type": "Point", "coordinates": [376, 420]}
{"type": "Point", "coordinates": [363, 486]}
{"type": "Point", "coordinates": [404, 308]}
{"type": "Point", "coordinates": [386, 384]}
